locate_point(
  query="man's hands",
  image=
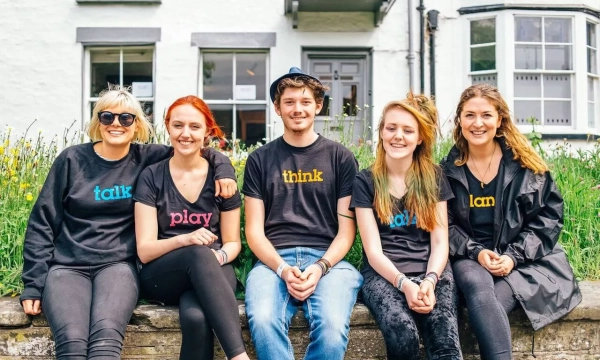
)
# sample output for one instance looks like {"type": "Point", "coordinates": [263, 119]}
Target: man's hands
{"type": "Point", "coordinates": [301, 285]}
{"type": "Point", "coordinates": [32, 307]}
{"type": "Point", "coordinates": [497, 265]}
{"type": "Point", "coordinates": [225, 188]}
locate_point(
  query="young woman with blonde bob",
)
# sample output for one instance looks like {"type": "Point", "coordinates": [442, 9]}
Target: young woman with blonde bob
{"type": "Point", "coordinates": [79, 252]}
{"type": "Point", "coordinates": [187, 237]}
{"type": "Point", "coordinates": [400, 205]}
{"type": "Point", "coordinates": [504, 224]}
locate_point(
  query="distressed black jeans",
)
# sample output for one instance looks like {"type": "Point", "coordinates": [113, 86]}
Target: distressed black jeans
{"type": "Point", "coordinates": [399, 325]}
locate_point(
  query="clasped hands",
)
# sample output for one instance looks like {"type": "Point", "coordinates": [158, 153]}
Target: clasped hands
{"type": "Point", "coordinates": [301, 284]}
{"type": "Point", "coordinates": [420, 298]}
{"type": "Point", "coordinates": [497, 265]}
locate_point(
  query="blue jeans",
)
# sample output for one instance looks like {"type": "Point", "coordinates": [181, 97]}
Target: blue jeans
{"type": "Point", "coordinates": [270, 308]}
{"type": "Point", "coordinates": [88, 308]}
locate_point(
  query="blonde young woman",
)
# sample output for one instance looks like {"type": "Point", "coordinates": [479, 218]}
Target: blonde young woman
{"type": "Point", "coordinates": [505, 221]}
{"type": "Point", "coordinates": [79, 252]}
{"type": "Point", "coordinates": [400, 205]}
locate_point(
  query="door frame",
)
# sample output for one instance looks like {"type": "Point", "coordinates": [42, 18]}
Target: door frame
{"type": "Point", "coordinates": [342, 53]}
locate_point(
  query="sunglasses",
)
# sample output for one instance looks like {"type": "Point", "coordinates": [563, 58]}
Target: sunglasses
{"type": "Point", "coordinates": [107, 118]}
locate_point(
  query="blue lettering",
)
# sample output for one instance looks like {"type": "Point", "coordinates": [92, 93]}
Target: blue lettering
{"type": "Point", "coordinates": [117, 192]}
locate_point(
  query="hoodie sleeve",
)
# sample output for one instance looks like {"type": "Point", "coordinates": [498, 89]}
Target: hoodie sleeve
{"type": "Point", "coordinates": [542, 211]}
{"type": "Point", "coordinates": [221, 164]}
{"type": "Point", "coordinates": [43, 225]}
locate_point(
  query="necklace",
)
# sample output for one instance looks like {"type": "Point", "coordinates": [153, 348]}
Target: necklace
{"type": "Point", "coordinates": [486, 170]}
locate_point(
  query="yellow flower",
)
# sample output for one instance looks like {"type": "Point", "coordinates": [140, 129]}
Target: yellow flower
{"type": "Point", "coordinates": [1, 150]}
{"type": "Point", "coordinates": [14, 179]}
{"type": "Point", "coordinates": [23, 186]}
{"type": "Point", "coordinates": [29, 197]}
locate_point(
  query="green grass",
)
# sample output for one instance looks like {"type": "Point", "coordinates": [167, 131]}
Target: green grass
{"type": "Point", "coordinates": [24, 163]}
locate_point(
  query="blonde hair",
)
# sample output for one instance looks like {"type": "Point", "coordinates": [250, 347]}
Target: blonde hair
{"type": "Point", "coordinates": [422, 188]}
{"type": "Point", "coordinates": [522, 151]}
{"type": "Point", "coordinates": [118, 96]}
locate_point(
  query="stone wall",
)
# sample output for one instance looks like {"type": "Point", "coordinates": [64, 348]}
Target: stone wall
{"type": "Point", "coordinates": [153, 333]}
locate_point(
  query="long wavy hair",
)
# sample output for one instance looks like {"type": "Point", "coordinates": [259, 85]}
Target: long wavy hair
{"type": "Point", "coordinates": [522, 151]}
{"type": "Point", "coordinates": [421, 180]}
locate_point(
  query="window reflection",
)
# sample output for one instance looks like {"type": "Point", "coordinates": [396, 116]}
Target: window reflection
{"type": "Point", "coordinates": [217, 71]}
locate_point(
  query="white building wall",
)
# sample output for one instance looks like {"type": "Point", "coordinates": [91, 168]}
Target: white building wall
{"type": "Point", "coordinates": [42, 65]}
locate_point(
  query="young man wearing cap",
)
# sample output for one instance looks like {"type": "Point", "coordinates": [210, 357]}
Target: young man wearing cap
{"type": "Point", "coordinates": [297, 192]}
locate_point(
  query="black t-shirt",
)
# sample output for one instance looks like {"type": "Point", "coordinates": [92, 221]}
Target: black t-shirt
{"type": "Point", "coordinates": [406, 245]}
{"type": "Point", "coordinates": [481, 214]}
{"type": "Point", "coordinates": [176, 215]}
{"type": "Point", "coordinates": [300, 187]}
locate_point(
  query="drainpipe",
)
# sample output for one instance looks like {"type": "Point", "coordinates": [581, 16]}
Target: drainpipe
{"type": "Point", "coordinates": [421, 9]}
{"type": "Point", "coordinates": [432, 26]}
{"type": "Point", "coordinates": [411, 56]}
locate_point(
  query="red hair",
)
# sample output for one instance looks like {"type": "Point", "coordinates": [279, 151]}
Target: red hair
{"type": "Point", "coordinates": [212, 129]}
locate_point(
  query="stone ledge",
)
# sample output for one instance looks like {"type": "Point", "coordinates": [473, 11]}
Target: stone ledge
{"type": "Point", "coordinates": [153, 333]}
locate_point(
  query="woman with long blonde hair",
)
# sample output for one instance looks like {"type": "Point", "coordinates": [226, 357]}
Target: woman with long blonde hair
{"type": "Point", "coordinates": [79, 251]}
{"type": "Point", "coordinates": [505, 221]}
{"type": "Point", "coordinates": [400, 205]}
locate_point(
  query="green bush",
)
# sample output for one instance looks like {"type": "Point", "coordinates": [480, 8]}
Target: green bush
{"type": "Point", "coordinates": [24, 164]}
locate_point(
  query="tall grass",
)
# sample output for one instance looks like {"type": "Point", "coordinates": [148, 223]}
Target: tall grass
{"type": "Point", "coordinates": [26, 160]}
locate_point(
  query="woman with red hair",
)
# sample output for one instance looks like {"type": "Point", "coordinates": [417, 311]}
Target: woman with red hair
{"type": "Point", "coordinates": [186, 237]}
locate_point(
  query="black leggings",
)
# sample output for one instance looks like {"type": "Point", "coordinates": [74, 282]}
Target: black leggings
{"type": "Point", "coordinates": [489, 299]}
{"type": "Point", "coordinates": [398, 323]}
{"type": "Point", "coordinates": [192, 278]}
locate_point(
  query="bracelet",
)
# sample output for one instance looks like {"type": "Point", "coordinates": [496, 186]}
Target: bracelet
{"type": "Point", "coordinates": [224, 256]}
{"type": "Point", "coordinates": [281, 267]}
{"type": "Point", "coordinates": [326, 265]}
{"type": "Point", "coordinates": [401, 282]}
{"type": "Point", "coordinates": [321, 266]}
{"type": "Point", "coordinates": [431, 280]}
{"type": "Point", "coordinates": [396, 279]}
{"type": "Point", "coordinates": [434, 276]}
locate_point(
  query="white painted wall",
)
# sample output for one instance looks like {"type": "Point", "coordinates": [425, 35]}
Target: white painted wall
{"type": "Point", "coordinates": [41, 64]}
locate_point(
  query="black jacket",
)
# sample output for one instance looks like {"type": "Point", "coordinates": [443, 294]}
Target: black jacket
{"type": "Point", "coordinates": [527, 225]}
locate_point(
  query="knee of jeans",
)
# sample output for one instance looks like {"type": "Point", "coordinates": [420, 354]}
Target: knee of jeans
{"type": "Point", "coordinates": [108, 328]}
{"type": "Point", "coordinates": [192, 319]}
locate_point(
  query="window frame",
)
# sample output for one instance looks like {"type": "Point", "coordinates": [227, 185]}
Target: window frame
{"type": "Point", "coordinates": [543, 72]}
{"type": "Point", "coordinates": [595, 78]}
{"type": "Point", "coordinates": [88, 99]}
{"type": "Point", "coordinates": [234, 102]}
{"type": "Point", "coordinates": [472, 73]}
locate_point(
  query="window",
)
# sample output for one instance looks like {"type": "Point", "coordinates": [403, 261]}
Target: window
{"type": "Point", "coordinates": [592, 69]}
{"type": "Point", "coordinates": [483, 51]}
{"type": "Point", "coordinates": [131, 67]}
{"type": "Point", "coordinates": [543, 77]}
{"type": "Point", "coordinates": [234, 84]}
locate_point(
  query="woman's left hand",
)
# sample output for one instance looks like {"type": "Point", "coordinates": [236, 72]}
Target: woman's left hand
{"type": "Point", "coordinates": [505, 266]}
{"type": "Point", "coordinates": [225, 188]}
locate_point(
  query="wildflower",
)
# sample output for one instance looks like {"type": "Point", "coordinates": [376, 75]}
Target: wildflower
{"type": "Point", "coordinates": [28, 197]}
{"type": "Point", "coordinates": [14, 179]}
{"type": "Point", "coordinates": [1, 150]}
{"type": "Point", "coordinates": [27, 145]}
{"type": "Point", "coordinates": [23, 186]}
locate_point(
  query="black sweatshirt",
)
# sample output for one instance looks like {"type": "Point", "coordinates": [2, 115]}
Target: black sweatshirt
{"type": "Point", "coordinates": [84, 213]}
